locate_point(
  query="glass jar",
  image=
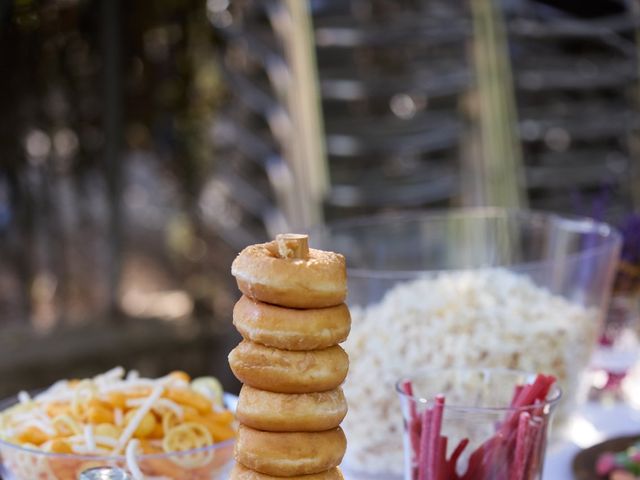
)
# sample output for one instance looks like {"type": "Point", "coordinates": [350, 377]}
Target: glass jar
{"type": "Point", "coordinates": [477, 424]}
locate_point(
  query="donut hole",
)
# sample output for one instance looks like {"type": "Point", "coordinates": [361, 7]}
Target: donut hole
{"type": "Point", "coordinates": [271, 250]}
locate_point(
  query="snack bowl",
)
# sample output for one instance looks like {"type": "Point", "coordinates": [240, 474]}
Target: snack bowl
{"type": "Point", "coordinates": [485, 287]}
{"type": "Point", "coordinates": [28, 462]}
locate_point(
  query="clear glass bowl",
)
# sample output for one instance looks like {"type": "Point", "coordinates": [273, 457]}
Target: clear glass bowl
{"type": "Point", "coordinates": [570, 256]}
{"type": "Point", "coordinates": [493, 288]}
{"type": "Point", "coordinates": [28, 463]}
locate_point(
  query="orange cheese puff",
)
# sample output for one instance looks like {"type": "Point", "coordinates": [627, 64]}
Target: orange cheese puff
{"type": "Point", "coordinates": [188, 397]}
{"type": "Point", "coordinates": [32, 435]}
{"type": "Point", "coordinates": [116, 400]}
{"type": "Point", "coordinates": [180, 375]}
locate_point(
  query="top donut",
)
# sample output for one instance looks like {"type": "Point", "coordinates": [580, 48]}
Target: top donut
{"type": "Point", "coordinates": [287, 273]}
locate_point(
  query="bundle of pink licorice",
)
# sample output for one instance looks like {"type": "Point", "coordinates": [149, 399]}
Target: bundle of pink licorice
{"type": "Point", "coordinates": [512, 453]}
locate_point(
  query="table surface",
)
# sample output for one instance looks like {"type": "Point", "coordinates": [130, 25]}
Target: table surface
{"type": "Point", "coordinates": [591, 425]}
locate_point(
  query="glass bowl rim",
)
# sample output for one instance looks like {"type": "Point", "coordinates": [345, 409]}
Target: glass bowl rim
{"type": "Point", "coordinates": [10, 401]}
{"type": "Point", "coordinates": [551, 402]}
{"type": "Point", "coordinates": [576, 223]}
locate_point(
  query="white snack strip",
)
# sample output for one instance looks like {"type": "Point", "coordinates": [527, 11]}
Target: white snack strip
{"type": "Point", "coordinates": [116, 373]}
{"type": "Point", "coordinates": [89, 439]}
{"type": "Point", "coordinates": [31, 414]}
{"type": "Point", "coordinates": [22, 417]}
{"type": "Point", "coordinates": [54, 397]}
{"type": "Point", "coordinates": [173, 381]}
{"type": "Point", "coordinates": [137, 418]}
{"type": "Point", "coordinates": [40, 425]}
{"type": "Point", "coordinates": [98, 439]}
{"type": "Point", "coordinates": [132, 463]}
{"type": "Point", "coordinates": [39, 414]}
{"type": "Point", "coordinates": [105, 441]}
{"type": "Point", "coordinates": [83, 450]}
{"type": "Point", "coordinates": [24, 397]}
{"type": "Point", "coordinates": [130, 385]}
{"type": "Point", "coordinates": [59, 386]}
{"type": "Point", "coordinates": [60, 389]}
{"type": "Point", "coordinates": [118, 417]}
{"type": "Point", "coordinates": [161, 402]}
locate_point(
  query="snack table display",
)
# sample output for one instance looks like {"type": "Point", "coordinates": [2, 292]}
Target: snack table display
{"type": "Point", "coordinates": [488, 289]}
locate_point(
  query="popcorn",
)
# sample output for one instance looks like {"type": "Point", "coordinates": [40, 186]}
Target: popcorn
{"type": "Point", "coordinates": [490, 318]}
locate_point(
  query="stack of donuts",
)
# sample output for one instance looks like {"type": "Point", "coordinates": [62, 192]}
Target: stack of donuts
{"type": "Point", "coordinates": [292, 317]}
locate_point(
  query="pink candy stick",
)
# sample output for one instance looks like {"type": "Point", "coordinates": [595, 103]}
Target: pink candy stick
{"type": "Point", "coordinates": [414, 421]}
{"type": "Point", "coordinates": [425, 437]}
{"type": "Point", "coordinates": [519, 465]}
{"type": "Point", "coordinates": [433, 462]}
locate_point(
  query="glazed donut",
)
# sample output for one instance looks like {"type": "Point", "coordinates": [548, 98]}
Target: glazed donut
{"type": "Point", "coordinates": [290, 329]}
{"type": "Point", "coordinates": [318, 281]}
{"type": "Point", "coordinates": [290, 454]}
{"type": "Point", "coordinates": [240, 472]}
{"type": "Point", "coordinates": [286, 371]}
{"type": "Point", "coordinates": [285, 412]}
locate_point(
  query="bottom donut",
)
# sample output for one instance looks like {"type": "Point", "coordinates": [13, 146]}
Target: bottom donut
{"type": "Point", "coordinates": [290, 454]}
{"type": "Point", "coordinates": [240, 472]}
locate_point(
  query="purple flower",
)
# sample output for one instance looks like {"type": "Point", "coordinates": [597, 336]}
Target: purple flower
{"type": "Point", "coordinates": [628, 276]}
{"type": "Point", "coordinates": [630, 229]}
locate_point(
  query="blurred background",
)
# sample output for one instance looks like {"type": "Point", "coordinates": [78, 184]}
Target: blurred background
{"type": "Point", "coordinates": [144, 143]}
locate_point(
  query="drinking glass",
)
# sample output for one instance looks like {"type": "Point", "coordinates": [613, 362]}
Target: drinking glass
{"type": "Point", "coordinates": [476, 424]}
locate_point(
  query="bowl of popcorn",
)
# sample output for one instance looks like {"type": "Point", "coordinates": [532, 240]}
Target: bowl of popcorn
{"type": "Point", "coordinates": [172, 427]}
{"type": "Point", "coordinates": [490, 288]}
